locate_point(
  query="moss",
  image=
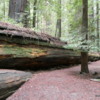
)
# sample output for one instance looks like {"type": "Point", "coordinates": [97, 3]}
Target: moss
{"type": "Point", "coordinates": [17, 51]}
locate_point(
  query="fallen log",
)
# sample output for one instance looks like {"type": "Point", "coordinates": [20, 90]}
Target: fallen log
{"type": "Point", "coordinates": [44, 62]}
{"type": "Point", "coordinates": [22, 48]}
{"type": "Point", "coordinates": [16, 56]}
{"type": "Point", "coordinates": [13, 34]}
{"type": "Point", "coordinates": [23, 57]}
{"type": "Point", "coordinates": [10, 81]}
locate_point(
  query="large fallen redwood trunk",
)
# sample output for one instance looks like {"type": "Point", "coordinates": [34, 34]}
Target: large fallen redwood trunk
{"type": "Point", "coordinates": [11, 80]}
{"type": "Point", "coordinates": [22, 48]}
{"type": "Point", "coordinates": [16, 57]}
{"type": "Point", "coordinates": [35, 57]}
{"type": "Point", "coordinates": [14, 34]}
{"type": "Point", "coordinates": [44, 62]}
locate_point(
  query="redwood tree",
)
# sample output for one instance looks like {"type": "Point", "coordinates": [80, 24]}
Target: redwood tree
{"type": "Point", "coordinates": [84, 54]}
{"type": "Point", "coordinates": [98, 22]}
{"type": "Point", "coordinates": [58, 24]}
{"type": "Point", "coordinates": [34, 13]}
{"type": "Point", "coordinates": [18, 9]}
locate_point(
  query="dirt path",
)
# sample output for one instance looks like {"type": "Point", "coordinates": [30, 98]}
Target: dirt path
{"type": "Point", "coordinates": [65, 84]}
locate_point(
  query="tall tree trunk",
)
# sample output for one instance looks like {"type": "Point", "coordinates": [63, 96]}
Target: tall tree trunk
{"type": "Point", "coordinates": [93, 9]}
{"type": "Point", "coordinates": [4, 9]}
{"type": "Point", "coordinates": [98, 36]}
{"type": "Point", "coordinates": [58, 28]}
{"type": "Point", "coordinates": [34, 13]}
{"type": "Point", "coordinates": [84, 54]}
{"type": "Point", "coordinates": [18, 9]}
{"type": "Point", "coordinates": [12, 4]}
{"type": "Point", "coordinates": [26, 19]}
{"type": "Point", "coordinates": [58, 25]}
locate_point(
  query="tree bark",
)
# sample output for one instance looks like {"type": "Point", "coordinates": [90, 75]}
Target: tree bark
{"type": "Point", "coordinates": [18, 9]}
{"type": "Point", "coordinates": [84, 62]}
{"type": "Point", "coordinates": [84, 54]}
{"type": "Point", "coordinates": [58, 28]}
{"type": "Point", "coordinates": [58, 25]}
{"type": "Point", "coordinates": [10, 81]}
{"type": "Point", "coordinates": [4, 9]}
{"type": "Point", "coordinates": [34, 13]}
{"type": "Point", "coordinates": [12, 8]}
{"type": "Point", "coordinates": [98, 36]}
{"type": "Point", "coordinates": [38, 63]}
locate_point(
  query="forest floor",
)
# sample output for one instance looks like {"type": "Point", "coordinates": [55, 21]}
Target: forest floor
{"type": "Point", "coordinates": [62, 84]}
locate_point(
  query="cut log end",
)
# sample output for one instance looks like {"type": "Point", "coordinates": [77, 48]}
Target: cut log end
{"type": "Point", "coordinates": [10, 81]}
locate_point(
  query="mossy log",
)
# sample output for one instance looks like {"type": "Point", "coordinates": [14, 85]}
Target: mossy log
{"type": "Point", "coordinates": [19, 35]}
{"type": "Point", "coordinates": [22, 48]}
{"type": "Point", "coordinates": [10, 81]}
{"type": "Point", "coordinates": [36, 57]}
{"type": "Point", "coordinates": [44, 62]}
